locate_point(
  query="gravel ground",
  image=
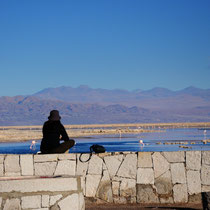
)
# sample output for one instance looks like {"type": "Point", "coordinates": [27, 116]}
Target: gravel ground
{"type": "Point", "coordinates": [142, 207]}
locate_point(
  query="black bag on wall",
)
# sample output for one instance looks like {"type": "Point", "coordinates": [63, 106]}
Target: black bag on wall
{"type": "Point", "coordinates": [94, 148]}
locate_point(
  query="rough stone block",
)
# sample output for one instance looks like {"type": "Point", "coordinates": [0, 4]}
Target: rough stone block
{"type": "Point", "coordinates": [27, 165]}
{"type": "Point", "coordinates": [128, 167]}
{"type": "Point", "coordinates": [146, 194]}
{"type": "Point", "coordinates": [163, 184]}
{"type": "Point", "coordinates": [12, 204]}
{"type": "Point", "coordinates": [166, 200]}
{"type": "Point", "coordinates": [174, 157]}
{"type": "Point", "coordinates": [205, 175]}
{"type": "Point", "coordinates": [104, 167]}
{"type": "Point", "coordinates": [81, 202]}
{"type": "Point", "coordinates": [83, 184]}
{"type": "Point", "coordinates": [54, 199]}
{"type": "Point", "coordinates": [92, 183]}
{"type": "Point", "coordinates": [193, 160]}
{"type": "Point", "coordinates": [66, 167]}
{"type": "Point", "coordinates": [145, 176]}
{"type": "Point", "coordinates": [115, 188]}
{"type": "Point", "coordinates": [12, 166]}
{"type": "Point", "coordinates": [43, 169]}
{"type": "Point", "coordinates": [195, 199]}
{"type": "Point", "coordinates": [1, 170]}
{"type": "Point", "coordinates": [193, 182]}
{"type": "Point", "coordinates": [69, 156]}
{"type": "Point", "coordinates": [126, 153]}
{"type": "Point", "coordinates": [205, 188]}
{"type": "Point", "coordinates": [206, 157]}
{"type": "Point", "coordinates": [81, 168]}
{"type": "Point", "coordinates": [117, 179]}
{"type": "Point", "coordinates": [145, 160]}
{"type": "Point", "coordinates": [180, 193]}
{"type": "Point", "coordinates": [128, 190]}
{"type": "Point", "coordinates": [161, 165]}
{"type": "Point", "coordinates": [71, 202]}
{"type": "Point", "coordinates": [178, 173]}
{"type": "Point", "coordinates": [31, 201]}
{"type": "Point", "coordinates": [113, 163]}
{"type": "Point", "coordinates": [104, 191]}
{"type": "Point", "coordinates": [36, 185]}
{"type": "Point", "coordinates": [45, 158]}
{"type": "Point", "coordinates": [55, 207]}
{"type": "Point", "coordinates": [1, 159]}
{"type": "Point", "coordinates": [120, 200]}
{"type": "Point", "coordinates": [95, 165]}
{"type": "Point", "coordinates": [45, 200]}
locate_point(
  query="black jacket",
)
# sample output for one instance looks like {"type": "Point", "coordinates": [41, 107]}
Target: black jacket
{"type": "Point", "coordinates": [53, 132]}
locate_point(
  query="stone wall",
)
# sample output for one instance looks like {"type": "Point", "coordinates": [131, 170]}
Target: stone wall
{"type": "Point", "coordinates": [128, 177]}
{"type": "Point", "coordinates": [31, 192]}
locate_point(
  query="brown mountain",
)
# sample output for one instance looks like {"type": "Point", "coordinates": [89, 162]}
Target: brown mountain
{"type": "Point", "coordinates": [156, 98]}
{"type": "Point", "coordinates": [84, 105]}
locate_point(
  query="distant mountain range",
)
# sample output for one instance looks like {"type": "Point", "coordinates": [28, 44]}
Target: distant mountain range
{"type": "Point", "coordinates": [85, 105]}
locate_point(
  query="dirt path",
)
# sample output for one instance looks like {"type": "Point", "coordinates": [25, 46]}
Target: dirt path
{"type": "Point", "coordinates": [141, 207]}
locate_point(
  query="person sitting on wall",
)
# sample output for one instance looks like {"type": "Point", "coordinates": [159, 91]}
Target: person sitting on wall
{"type": "Point", "coordinates": [53, 132]}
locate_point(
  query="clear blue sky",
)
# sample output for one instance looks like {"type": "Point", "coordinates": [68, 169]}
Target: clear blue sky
{"type": "Point", "coordinates": [128, 44]}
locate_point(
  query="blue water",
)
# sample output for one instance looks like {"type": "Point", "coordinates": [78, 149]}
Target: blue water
{"type": "Point", "coordinates": [113, 143]}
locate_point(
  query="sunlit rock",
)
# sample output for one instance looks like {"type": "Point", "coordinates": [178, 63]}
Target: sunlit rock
{"type": "Point", "coordinates": [71, 202]}
{"type": "Point", "coordinates": [12, 165]}
{"type": "Point", "coordinates": [161, 165]}
{"type": "Point", "coordinates": [205, 175]}
{"type": "Point", "coordinates": [45, 200]}
{"type": "Point", "coordinates": [128, 167]}
{"type": "Point", "coordinates": [174, 157]}
{"type": "Point", "coordinates": [206, 157]}
{"type": "Point", "coordinates": [180, 193]}
{"type": "Point", "coordinates": [12, 204]}
{"type": "Point", "coordinates": [164, 184]}
{"type": "Point", "coordinates": [193, 160]}
{"type": "Point", "coordinates": [145, 160]}
{"type": "Point", "coordinates": [193, 182]}
{"type": "Point", "coordinates": [115, 188]}
{"type": "Point", "coordinates": [145, 176]}
{"type": "Point", "coordinates": [1, 170]}
{"type": "Point", "coordinates": [54, 199]}
{"type": "Point", "coordinates": [95, 165]}
{"type": "Point", "coordinates": [113, 163]}
{"type": "Point", "coordinates": [46, 168]}
{"type": "Point", "coordinates": [146, 194]}
{"type": "Point", "coordinates": [31, 201]}
{"type": "Point", "coordinates": [45, 158]}
{"type": "Point", "coordinates": [104, 191]}
{"type": "Point", "coordinates": [178, 173]}
{"type": "Point", "coordinates": [92, 183]}
{"type": "Point", "coordinates": [66, 167]}
{"type": "Point", "coordinates": [128, 190]}
{"type": "Point", "coordinates": [166, 200]}
{"type": "Point", "coordinates": [27, 165]}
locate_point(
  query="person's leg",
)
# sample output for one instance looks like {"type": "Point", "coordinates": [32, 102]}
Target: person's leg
{"type": "Point", "coordinates": [63, 147]}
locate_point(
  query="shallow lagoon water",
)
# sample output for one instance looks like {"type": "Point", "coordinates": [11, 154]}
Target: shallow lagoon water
{"type": "Point", "coordinates": [153, 142]}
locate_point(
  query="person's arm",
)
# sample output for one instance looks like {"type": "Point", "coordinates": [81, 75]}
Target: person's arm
{"type": "Point", "coordinates": [64, 135]}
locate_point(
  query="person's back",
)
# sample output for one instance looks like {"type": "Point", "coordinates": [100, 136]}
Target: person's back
{"type": "Point", "coordinates": [53, 132]}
